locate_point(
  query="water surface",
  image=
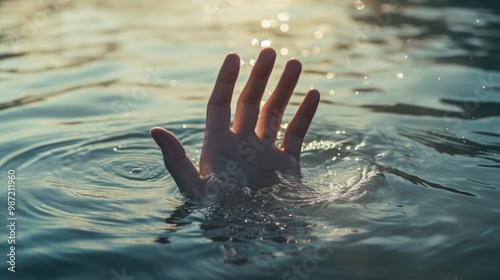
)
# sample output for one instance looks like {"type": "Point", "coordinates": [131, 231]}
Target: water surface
{"type": "Point", "coordinates": [402, 161]}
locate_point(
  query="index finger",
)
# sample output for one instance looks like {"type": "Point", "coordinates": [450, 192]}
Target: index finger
{"type": "Point", "coordinates": [219, 104]}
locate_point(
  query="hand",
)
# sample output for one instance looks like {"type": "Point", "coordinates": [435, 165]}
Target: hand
{"type": "Point", "coordinates": [247, 151]}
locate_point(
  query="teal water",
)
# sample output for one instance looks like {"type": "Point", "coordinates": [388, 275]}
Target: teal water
{"type": "Point", "coordinates": [402, 157]}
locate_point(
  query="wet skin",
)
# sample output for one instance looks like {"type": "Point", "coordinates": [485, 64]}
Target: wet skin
{"type": "Point", "coordinates": [247, 151]}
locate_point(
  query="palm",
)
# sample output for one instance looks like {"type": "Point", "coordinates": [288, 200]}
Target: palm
{"type": "Point", "coordinates": [246, 151]}
{"type": "Point", "coordinates": [244, 157]}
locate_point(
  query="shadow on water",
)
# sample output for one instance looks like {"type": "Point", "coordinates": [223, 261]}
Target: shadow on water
{"type": "Point", "coordinates": [422, 182]}
{"type": "Point", "coordinates": [29, 99]}
{"type": "Point", "coordinates": [474, 35]}
{"type": "Point", "coordinates": [481, 110]}
{"type": "Point", "coordinates": [449, 144]}
{"type": "Point", "coordinates": [108, 48]}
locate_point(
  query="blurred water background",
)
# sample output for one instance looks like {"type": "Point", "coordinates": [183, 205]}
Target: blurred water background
{"type": "Point", "coordinates": [403, 154]}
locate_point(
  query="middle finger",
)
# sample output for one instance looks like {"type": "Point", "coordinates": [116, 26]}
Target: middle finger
{"type": "Point", "coordinates": [248, 107]}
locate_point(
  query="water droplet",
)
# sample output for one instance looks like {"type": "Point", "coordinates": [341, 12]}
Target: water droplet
{"type": "Point", "coordinates": [254, 42]}
{"type": "Point", "coordinates": [330, 76]}
{"type": "Point", "coordinates": [400, 75]}
{"type": "Point", "coordinates": [284, 27]}
{"type": "Point", "coordinates": [331, 92]}
{"type": "Point", "coordinates": [284, 16]}
{"type": "Point", "coordinates": [284, 51]}
{"type": "Point", "coordinates": [366, 80]}
{"type": "Point", "coordinates": [359, 5]}
{"type": "Point", "coordinates": [305, 53]}
{"type": "Point", "coordinates": [265, 43]}
{"type": "Point", "coordinates": [173, 83]}
{"type": "Point", "coordinates": [318, 34]}
{"type": "Point", "coordinates": [477, 20]}
{"type": "Point", "coordinates": [184, 126]}
{"type": "Point", "coordinates": [316, 50]}
{"type": "Point", "coordinates": [265, 23]}
{"type": "Point", "coordinates": [252, 62]}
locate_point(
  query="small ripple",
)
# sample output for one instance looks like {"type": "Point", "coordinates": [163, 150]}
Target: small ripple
{"type": "Point", "coordinates": [118, 160]}
{"type": "Point", "coordinates": [130, 171]}
{"type": "Point", "coordinates": [143, 168]}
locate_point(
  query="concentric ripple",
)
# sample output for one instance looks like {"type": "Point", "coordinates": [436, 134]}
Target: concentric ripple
{"type": "Point", "coordinates": [127, 159]}
{"type": "Point", "coordinates": [118, 160]}
{"type": "Point", "coordinates": [138, 170]}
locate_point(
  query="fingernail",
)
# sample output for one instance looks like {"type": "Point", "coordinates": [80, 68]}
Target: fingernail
{"type": "Point", "coordinates": [154, 136]}
{"type": "Point", "coordinates": [168, 143]}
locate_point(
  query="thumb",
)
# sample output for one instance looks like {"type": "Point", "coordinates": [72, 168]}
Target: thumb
{"type": "Point", "coordinates": [176, 161]}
